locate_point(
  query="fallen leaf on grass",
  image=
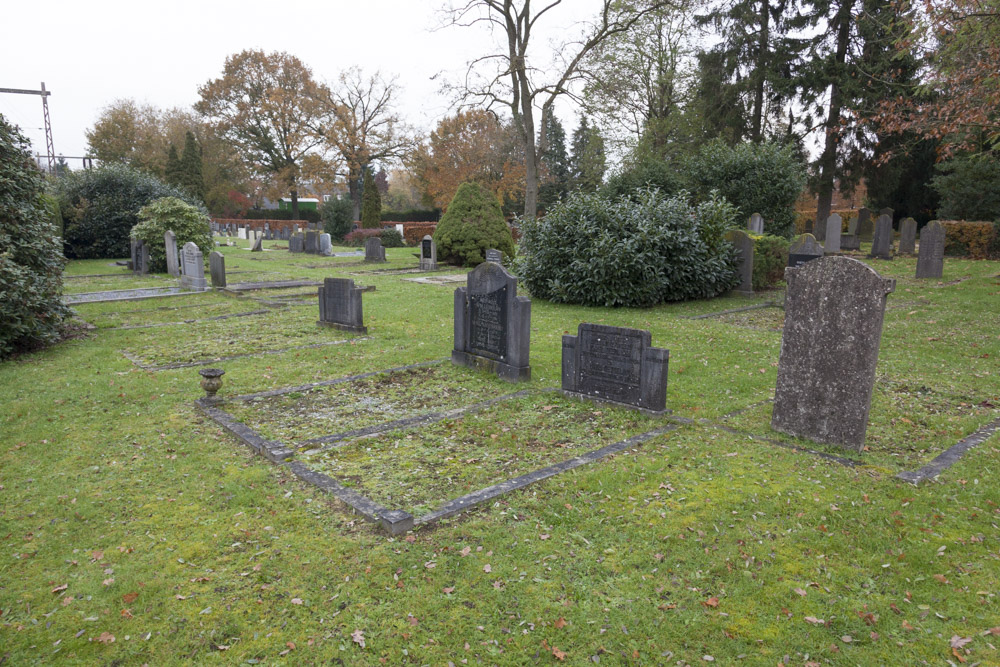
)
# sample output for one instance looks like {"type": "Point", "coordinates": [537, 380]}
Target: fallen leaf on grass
{"type": "Point", "coordinates": [560, 622]}
{"type": "Point", "coordinates": [358, 637]}
{"type": "Point", "coordinates": [487, 568]}
{"type": "Point", "coordinates": [814, 620]}
{"type": "Point", "coordinates": [448, 589]}
{"type": "Point", "coordinates": [800, 592]}
{"type": "Point", "coordinates": [296, 601]}
{"type": "Point", "coordinates": [106, 638]}
{"type": "Point", "coordinates": [108, 582]}
{"type": "Point", "coordinates": [959, 642]}
{"type": "Point", "coordinates": [940, 577]}
{"type": "Point", "coordinates": [465, 552]}
{"type": "Point", "coordinates": [126, 613]}
{"type": "Point", "coordinates": [712, 602]}
{"type": "Point", "coordinates": [60, 588]}
{"type": "Point", "coordinates": [907, 626]}
{"type": "Point", "coordinates": [129, 598]}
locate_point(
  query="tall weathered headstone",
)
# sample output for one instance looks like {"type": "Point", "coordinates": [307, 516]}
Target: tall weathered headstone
{"type": "Point", "coordinates": [140, 257]}
{"type": "Point", "coordinates": [217, 269]}
{"type": "Point", "coordinates": [192, 268]}
{"type": "Point", "coordinates": [325, 244]}
{"type": "Point", "coordinates": [834, 225]}
{"type": "Point", "coordinates": [907, 236]}
{"type": "Point", "coordinates": [170, 247]}
{"type": "Point", "coordinates": [284, 233]}
{"type": "Point", "coordinates": [756, 224]}
{"type": "Point", "coordinates": [296, 243]}
{"type": "Point", "coordinates": [312, 242]}
{"type": "Point", "coordinates": [340, 305]}
{"type": "Point", "coordinates": [834, 308]}
{"type": "Point", "coordinates": [615, 364]}
{"type": "Point", "coordinates": [258, 244]}
{"type": "Point", "coordinates": [865, 227]}
{"type": "Point", "coordinates": [492, 324]}
{"type": "Point", "coordinates": [744, 248]}
{"type": "Point", "coordinates": [374, 252]}
{"type": "Point", "coordinates": [882, 242]}
{"type": "Point", "coordinates": [804, 249]}
{"type": "Point", "coordinates": [428, 254]}
{"type": "Point", "coordinates": [930, 261]}
{"type": "Point", "coordinates": [494, 255]}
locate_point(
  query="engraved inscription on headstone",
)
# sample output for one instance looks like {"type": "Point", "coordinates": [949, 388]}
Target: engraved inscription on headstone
{"type": "Point", "coordinates": [487, 320]}
{"type": "Point", "coordinates": [494, 255]}
{"type": "Point", "coordinates": [340, 305]}
{"type": "Point", "coordinates": [428, 254]}
{"type": "Point", "coordinates": [192, 268]}
{"type": "Point", "coordinates": [930, 260]}
{"type": "Point", "coordinates": [170, 247]}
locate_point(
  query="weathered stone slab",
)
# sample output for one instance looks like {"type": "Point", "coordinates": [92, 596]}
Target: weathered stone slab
{"type": "Point", "coordinates": [834, 308]}
{"type": "Point", "coordinates": [374, 252]}
{"type": "Point", "coordinates": [834, 224]}
{"type": "Point", "coordinates": [494, 255]}
{"type": "Point", "coordinates": [850, 242]}
{"type": "Point", "coordinates": [882, 242]}
{"type": "Point", "coordinates": [217, 269]}
{"type": "Point", "coordinates": [492, 324]}
{"type": "Point", "coordinates": [340, 305]}
{"type": "Point", "coordinates": [140, 257]}
{"type": "Point", "coordinates": [325, 244]}
{"type": "Point", "coordinates": [312, 242]}
{"type": "Point", "coordinates": [907, 236]}
{"type": "Point", "coordinates": [852, 226]}
{"type": "Point", "coordinates": [170, 246]}
{"type": "Point", "coordinates": [615, 364]}
{"type": "Point", "coordinates": [258, 244]}
{"type": "Point", "coordinates": [930, 261]}
{"type": "Point", "coordinates": [744, 247]}
{"type": "Point", "coordinates": [804, 249]}
{"type": "Point", "coordinates": [866, 228]}
{"type": "Point", "coordinates": [192, 268]}
{"type": "Point", "coordinates": [756, 224]}
{"type": "Point", "coordinates": [428, 254]}
{"type": "Point", "coordinates": [296, 243]}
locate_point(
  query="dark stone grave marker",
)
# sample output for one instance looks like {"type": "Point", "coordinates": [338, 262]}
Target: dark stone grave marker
{"type": "Point", "coordinates": [834, 225]}
{"type": "Point", "coordinates": [374, 252]}
{"type": "Point", "coordinates": [804, 249]}
{"type": "Point", "coordinates": [865, 227]}
{"type": "Point", "coordinates": [930, 261]}
{"type": "Point", "coordinates": [907, 236]}
{"type": "Point", "coordinates": [340, 305]}
{"type": "Point", "coordinates": [217, 269]}
{"type": "Point", "coordinates": [882, 242]}
{"type": "Point", "coordinates": [744, 247]}
{"type": "Point", "coordinates": [140, 257]}
{"type": "Point", "coordinates": [296, 243]}
{"type": "Point", "coordinates": [428, 254]}
{"type": "Point", "coordinates": [312, 242]}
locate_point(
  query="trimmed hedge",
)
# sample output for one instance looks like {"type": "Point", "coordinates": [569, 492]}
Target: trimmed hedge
{"type": "Point", "coordinates": [473, 223]}
{"type": "Point", "coordinates": [305, 215]}
{"type": "Point", "coordinates": [804, 219]}
{"type": "Point", "coordinates": [597, 251]}
{"type": "Point", "coordinates": [978, 240]}
{"type": "Point", "coordinates": [412, 215]}
{"type": "Point", "coordinates": [413, 234]}
{"type": "Point", "coordinates": [770, 257]}
{"type": "Point", "coordinates": [391, 238]}
{"type": "Point", "coordinates": [188, 223]}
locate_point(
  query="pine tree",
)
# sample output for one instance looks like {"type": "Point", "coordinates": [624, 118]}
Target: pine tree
{"type": "Point", "coordinates": [371, 202]}
{"type": "Point", "coordinates": [588, 161]}
{"type": "Point", "coordinates": [172, 174]}
{"type": "Point", "coordinates": [190, 173]}
{"type": "Point", "coordinates": [555, 163]}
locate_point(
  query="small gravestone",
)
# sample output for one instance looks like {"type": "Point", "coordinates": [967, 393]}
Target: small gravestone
{"type": "Point", "coordinates": [756, 224]}
{"type": "Point", "coordinates": [492, 324]}
{"type": "Point", "coordinates": [744, 249]}
{"type": "Point", "coordinates": [242, 233]}
{"type": "Point", "coordinates": [852, 226]}
{"type": "Point", "coordinates": [865, 227]}
{"type": "Point", "coordinates": [494, 255]}
{"type": "Point", "coordinates": [192, 268]}
{"type": "Point", "coordinates": [312, 242]}
{"type": "Point", "coordinates": [325, 244]}
{"type": "Point", "coordinates": [428, 254]}
{"type": "Point", "coordinates": [217, 269]}
{"type": "Point", "coordinates": [834, 224]}
{"type": "Point", "coordinates": [930, 261]}
{"type": "Point", "coordinates": [834, 309]}
{"type": "Point", "coordinates": [284, 234]}
{"type": "Point", "coordinates": [804, 249]}
{"type": "Point", "coordinates": [296, 243]}
{"type": "Point", "coordinates": [258, 244]}
{"type": "Point", "coordinates": [170, 246]}
{"type": "Point", "coordinates": [140, 257]}
{"type": "Point", "coordinates": [340, 305]}
{"type": "Point", "coordinates": [907, 236]}
{"type": "Point", "coordinates": [615, 364]}
{"type": "Point", "coordinates": [882, 242]}
{"type": "Point", "coordinates": [374, 252]}
{"type": "Point", "coordinates": [886, 211]}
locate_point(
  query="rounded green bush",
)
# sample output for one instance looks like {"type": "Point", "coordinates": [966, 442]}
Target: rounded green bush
{"type": "Point", "coordinates": [338, 217]}
{"type": "Point", "coordinates": [770, 257]}
{"type": "Point", "coordinates": [635, 251]}
{"type": "Point", "coordinates": [473, 223]}
{"type": "Point", "coordinates": [391, 238]}
{"type": "Point", "coordinates": [188, 223]}
{"type": "Point", "coordinates": [31, 260]}
{"type": "Point", "coordinates": [101, 206]}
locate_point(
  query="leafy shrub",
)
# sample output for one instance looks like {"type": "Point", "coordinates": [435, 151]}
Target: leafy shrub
{"type": "Point", "coordinates": [473, 222]}
{"type": "Point", "coordinates": [52, 214]}
{"type": "Point", "coordinates": [187, 222]}
{"type": "Point", "coordinates": [305, 214]}
{"type": "Point", "coordinates": [338, 217]}
{"type": "Point", "coordinates": [31, 260]}
{"type": "Point", "coordinates": [977, 240]}
{"type": "Point", "coordinates": [101, 206]}
{"type": "Point", "coordinates": [597, 251]}
{"type": "Point", "coordinates": [391, 238]}
{"type": "Point", "coordinates": [650, 172]}
{"type": "Point", "coordinates": [413, 234]}
{"type": "Point", "coordinates": [412, 215]}
{"type": "Point", "coordinates": [770, 257]}
{"type": "Point", "coordinates": [804, 219]}
{"type": "Point", "coordinates": [969, 188]}
{"type": "Point", "coordinates": [766, 179]}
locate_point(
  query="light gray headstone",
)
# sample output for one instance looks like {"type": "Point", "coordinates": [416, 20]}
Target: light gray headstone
{"type": "Point", "coordinates": [492, 324]}
{"type": "Point", "coordinates": [882, 241]}
{"type": "Point", "coordinates": [242, 233]}
{"type": "Point", "coordinates": [217, 269]}
{"type": "Point", "coordinates": [325, 244]}
{"type": "Point", "coordinates": [170, 246]}
{"type": "Point", "coordinates": [744, 247]}
{"type": "Point", "coordinates": [930, 261]}
{"type": "Point", "coordinates": [834, 308]}
{"type": "Point", "coordinates": [756, 224]}
{"type": "Point", "coordinates": [865, 228]}
{"type": "Point", "coordinates": [340, 305]}
{"type": "Point", "coordinates": [833, 226]}
{"type": "Point", "coordinates": [804, 249]}
{"type": "Point", "coordinates": [907, 236]}
{"type": "Point", "coordinates": [374, 252]}
{"type": "Point", "coordinates": [428, 254]}
{"type": "Point", "coordinates": [258, 244]}
{"type": "Point", "coordinates": [192, 268]}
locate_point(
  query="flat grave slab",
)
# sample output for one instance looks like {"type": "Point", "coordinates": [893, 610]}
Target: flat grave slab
{"type": "Point", "coordinates": [449, 279]}
{"type": "Point", "coordinates": [271, 284]}
{"type": "Point", "coordinates": [124, 295]}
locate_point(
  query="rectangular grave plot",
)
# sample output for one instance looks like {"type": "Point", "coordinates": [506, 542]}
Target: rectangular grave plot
{"type": "Point", "coordinates": [417, 470]}
{"type": "Point", "coordinates": [487, 318]}
{"type": "Point", "coordinates": [308, 419]}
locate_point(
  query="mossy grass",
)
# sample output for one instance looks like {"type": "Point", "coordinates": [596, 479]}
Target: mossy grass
{"type": "Point", "coordinates": [173, 539]}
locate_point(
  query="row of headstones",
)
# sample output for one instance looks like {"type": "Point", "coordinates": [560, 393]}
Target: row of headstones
{"type": "Point", "coordinates": [187, 264]}
{"type": "Point", "coordinates": [241, 232]}
{"type": "Point", "coordinates": [821, 393]}
{"type": "Point", "coordinates": [311, 242]}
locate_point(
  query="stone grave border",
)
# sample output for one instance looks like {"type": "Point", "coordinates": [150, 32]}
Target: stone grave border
{"type": "Point", "coordinates": [135, 359]}
{"type": "Point", "coordinates": [743, 309]}
{"type": "Point", "coordinates": [268, 284]}
{"type": "Point", "coordinates": [159, 293]}
{"type": "Point", "coordinates": [950, 456]}
{"type": "Point", "coordinates": [396, 522]}
{"type": "Point", "coordinates": [128, 327]}
{"type": "Point", "coordinates": [98, 275]}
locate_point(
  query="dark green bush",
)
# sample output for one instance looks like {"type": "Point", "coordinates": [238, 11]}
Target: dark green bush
{"type": "Point", "coordinates": [770, 257]}
{"type": "Point", "coordinates": [651, 172]}
{"type": "Point", "coordinates": [641, 251]}
{"type": "Point", "coordinates": [338, 217]}
{"type": "Point", "coordinates": [969, 188]}
{"type": "Point", "coordinates": [472, 223]}
{"type": "Point", "coordinates": [31, 260]}
{"type": "Point", "coordinates": [305, 214]}
{"type": "Point", "coordinates": [391, 238]}
{"type": "Point", "coordinates": [189, 223]}
{"type": "Point", "coordinates": [412, 215]}
{"type": "Point", "coordinates": [101, 206]}
{"type": "Point", "coordinates": [766, 179]}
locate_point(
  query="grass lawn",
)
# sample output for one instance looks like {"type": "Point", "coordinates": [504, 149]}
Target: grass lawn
{"type": "Point", "coordinates": [134, 530]}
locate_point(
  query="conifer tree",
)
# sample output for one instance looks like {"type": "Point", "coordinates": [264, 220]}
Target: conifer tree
{"type": "Point", "coordinates": [173, 172]}
{"type": "Point", "coordinates": [371, 202]}
{"type": "Point", "coordinates": [190, 173]}
{"type": "Point", "coordinates": [555, 163]}
{"type": "Point", "coordinates": [588, 161]}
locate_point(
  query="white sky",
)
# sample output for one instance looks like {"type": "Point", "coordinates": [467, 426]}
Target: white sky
{"type": "Point", "coordinates": [90, 53]}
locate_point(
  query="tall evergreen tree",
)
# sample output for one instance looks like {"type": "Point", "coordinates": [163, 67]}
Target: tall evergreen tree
{"type": "Point", "coordinates": [371, 202]}
{"type": "Point", "coordinates": [191, 175]}
{"type": "Point", "coordinates": [173, 171]}
{"type": "Point", "coordinates": [555, 163]}
{"type": "Point", "coordinates": [588, 161]}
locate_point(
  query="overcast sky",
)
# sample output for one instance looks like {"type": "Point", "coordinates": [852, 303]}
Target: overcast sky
{"type": "Point", "coordinates": [92, 53]}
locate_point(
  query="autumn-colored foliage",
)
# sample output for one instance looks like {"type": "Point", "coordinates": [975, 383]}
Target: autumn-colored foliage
{"type": "Point", "coordinates": [970, 239]}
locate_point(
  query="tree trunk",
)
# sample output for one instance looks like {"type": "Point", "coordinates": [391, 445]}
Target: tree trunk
{"type": "Point", "coordinates": [295, 204]}
{"type": "Point", "coordinates": [761, 72]}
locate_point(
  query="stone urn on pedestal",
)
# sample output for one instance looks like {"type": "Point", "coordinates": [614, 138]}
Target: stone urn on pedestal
{"type": "Point", "coordinates": [211, 381]}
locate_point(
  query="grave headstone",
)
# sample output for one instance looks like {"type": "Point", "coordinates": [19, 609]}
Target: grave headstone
{"type": "Point", "coordinates": [170, 246]}
{"type": "Point", "coordinates": [242, 233]}
{"type": "Point", "coordinates": [340, 305]}
{"type": "Point", "coordinates": [494, 255]}
{"type": "Point", "coordinates": [217, 269]}
{"type": "Point", "coordinates": [140, 257]}
{"type": "Point", "coordinates": [834, 224]}
{"type": "Point", "coordinates": [312, 242]}
{"type": "Point", "coordinates": [428, 254]}
{"type": "Point", "coordinates": [834, 308]}
{"type": "Point", "coordinates": [258, 244]}
{"type": "Point", "coordinates": [852, 226]}
{"type": "Point", "coordinates": [744, 248]}
{"type": "Point", "coordinates": [886, 211]}
{"type": "Point", "coordinates": [615, 364]}
{"type": "Point", "coordinates": [850, 242]}
{"type": "Point", "coordinates": [756, 224]}
{"type": "Point", "coordinates": [804, 249]}
{"type": "Point", "coordinates": [285, 234]}
{"type": "Point", "coordinates": [492, 324]}
{"type": "Point", "coordinates": [865, 227]}
{"type": "Point", "coordinates": [296, 243]}
{"type": "Point", "coordinates": [907, 236]}
{"type": "Point", "coordinates": [325, 244]}
{"type": "Point", "coordinates": [882, 242]}
{"type": "Point", "coordinates": [930, 260]}
{"type": "Point", "coordinates": [374, 252]}
{"type": "Point", "coordinates": [192, 268]}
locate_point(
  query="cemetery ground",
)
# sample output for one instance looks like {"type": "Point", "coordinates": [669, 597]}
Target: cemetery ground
{"type": "Point", "coordinates": [134, 529]}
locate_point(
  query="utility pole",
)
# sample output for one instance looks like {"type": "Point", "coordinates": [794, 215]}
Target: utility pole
{"type": "Point", "coordinates": [49, 148]}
